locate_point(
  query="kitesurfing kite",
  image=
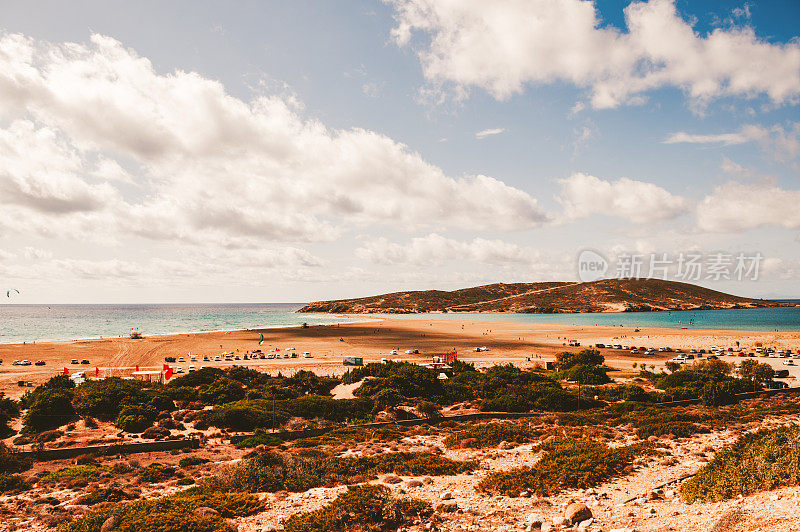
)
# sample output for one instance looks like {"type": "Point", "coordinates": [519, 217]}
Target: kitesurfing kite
{"type": "Point", "coordinates": [8, 293]}
{"type": "Point", "coordinates": [261, 340]}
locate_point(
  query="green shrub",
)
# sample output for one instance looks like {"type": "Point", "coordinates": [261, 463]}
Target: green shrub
{"type": "Point", "coordinates": [762, 460]}
{"type": "Point", "coordinates": [80, 471]}
{"type": "Point", "coordinates": [49, 408]}
{"type": "Point", "coordinates": [404, 463]}
{"type": "Point", "coordinates": [259, 438]}
{"type": "Point", "coordinates": [155, 473]}
{"type": "Point", "coordinates": [679, 429]}
{"type": "Point", "coordinates": [488, 434]}
{"type": "Point", "coordinates": [188, 461]}
{"type": "Point", "coordinates": [9, 410]}
{"type": "Point", "coordinates": [586, 374]}
{"type": "Point", "coordinates": [252, 414]}
{"type": "Point", "coordinates": [11, 461]}
{"type": "Point", "coordinates": [136, 418]}
{"type": "Point", "coordinates": [428, 409]}
{"type": "Point", "coordinates": [351, 435]}
{"type": "Point", "coordinates": [271, 471]}
{"type": "Point", "coordinates": [13, 483]}
{"type": "Point", "coordinates": [364, 507]}
{"type": "Point", "coordinates": [106, 398]}
{"type": "Point", "coordinates": [586, 357]}
{"type": "Point", "coordinates": [718, 393]}
{"type": "Point", "coordinates": [567, 463]}
{"type": "Point", "coordinates": [103, 495]}
{"type": "Point", "coordinates": [172, 514]}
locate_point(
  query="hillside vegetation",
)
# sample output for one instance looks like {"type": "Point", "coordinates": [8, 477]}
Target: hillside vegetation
{"type": "Point", "coordinates": [607, 295]}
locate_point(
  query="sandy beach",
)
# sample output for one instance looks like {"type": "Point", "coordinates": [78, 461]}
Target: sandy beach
{"type": "Point", "coordinates": [507, 342]}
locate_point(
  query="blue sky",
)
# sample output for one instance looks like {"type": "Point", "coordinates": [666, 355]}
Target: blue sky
{"type": "Point", "coordinates": [290, 151]}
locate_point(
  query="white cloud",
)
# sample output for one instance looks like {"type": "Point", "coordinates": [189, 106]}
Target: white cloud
{"type": "Point", "coordinates": [721, 138]}
{"type": "Point", "coordinates": [779, 142]}
{"type": "Point", "coordinates": [40, 172]}
{"type": "Point", "coordinates": [482, 134]}
{"type": "Point", "coordinates": [737, 207]}
{"type": "Point", "coordinates": [504, 45]}
{"type": "Point", "coordinates": [32, 253]}
{"type": "Point", "coordinates": [218, 169]}
{"type": "Point", "coordinates": [435, 249]}
{"type": "Point", "coordinates": [583, 195]}
{"type": "Point", "coordinates": [372, 89]}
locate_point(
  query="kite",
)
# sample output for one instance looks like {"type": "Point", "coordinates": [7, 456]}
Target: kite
{"type": "Point", "coordinates": [8, 293]}
{"type": "Point", "coordinates": [261, 341]}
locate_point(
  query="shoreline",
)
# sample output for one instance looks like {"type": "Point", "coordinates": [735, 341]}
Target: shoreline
{"type": "Point", "coordinates": [180, 333]}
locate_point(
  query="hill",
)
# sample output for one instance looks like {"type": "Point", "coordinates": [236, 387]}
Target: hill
{"type": "Point", "coordinates": [606, 295]}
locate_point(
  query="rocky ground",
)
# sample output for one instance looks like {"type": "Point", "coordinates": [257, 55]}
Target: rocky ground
{"type": "Point", "coordinates": [646, 499]}
{"type": "Point", "coordinates": [635, 502]}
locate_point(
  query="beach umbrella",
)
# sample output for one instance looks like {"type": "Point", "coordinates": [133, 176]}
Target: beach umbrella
{"type": "Point", "coordinates": [66, 371]}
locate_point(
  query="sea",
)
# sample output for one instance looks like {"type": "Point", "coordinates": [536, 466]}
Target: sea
{"type": "Point", "coordinates": [39, 323]}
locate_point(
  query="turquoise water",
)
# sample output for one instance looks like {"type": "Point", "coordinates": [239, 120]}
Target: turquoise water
{"type": "Point", "coordinates": [29, 323]}
{"type": "Point", "coordinates": [761, 319]}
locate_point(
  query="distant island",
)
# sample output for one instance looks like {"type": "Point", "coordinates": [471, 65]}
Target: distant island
{"type": "Point", "coordinates": [606, 295]}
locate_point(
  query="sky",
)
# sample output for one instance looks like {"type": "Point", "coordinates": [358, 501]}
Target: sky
{"type": "Point", "coordinates": [155, 152]}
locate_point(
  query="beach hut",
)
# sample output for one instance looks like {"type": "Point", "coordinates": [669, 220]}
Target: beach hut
{"type": "Point", "coordinates": [147, 375]}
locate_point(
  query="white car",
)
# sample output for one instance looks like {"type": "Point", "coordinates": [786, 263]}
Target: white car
{"type": "Point", "coordinates": [179, 370]}
{"type": "Point", "coordinates": [216, 358]}
{"type": "Point", "coordinates": [191, 369]}
{"type": "Point", "coordinates": [307, 355]}
{"type": "Point", "coordinates": [290, 348]}
{"type": "Point", "coordinates": [789, 362]}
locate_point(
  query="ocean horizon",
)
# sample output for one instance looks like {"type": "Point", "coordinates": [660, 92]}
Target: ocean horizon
{"type": "Point", "coordinates": [64, 322]}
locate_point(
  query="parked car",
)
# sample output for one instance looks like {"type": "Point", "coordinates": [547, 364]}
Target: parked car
{"type": "Point", "coordinates": [85, 361]}
{"type": "Point", "coordinates": [74, 361]}
{"type": "Point", "coordinates": [191, 369]}
{"type": "Point", "coordinates": [39, 363]}
{"type": "Point", "coordinates": [179, 370]}
{"type": "Point", "coordinates": [775, 385]}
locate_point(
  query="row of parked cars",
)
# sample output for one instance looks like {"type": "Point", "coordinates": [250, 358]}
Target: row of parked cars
{"type": "Point", "coordinates": [26, 363]}
{"type": "Point", "coordinates": [229, 357]}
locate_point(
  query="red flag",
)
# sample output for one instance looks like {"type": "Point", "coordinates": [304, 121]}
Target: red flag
{"type": "Point", "coordinates": [137, 367]}
{"type": "Point", "coordinates": [66, 371]}
{"type": "Point", "coordinates": [168, 374]}
{"type": "Point", "coordinates": [96, 371]}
